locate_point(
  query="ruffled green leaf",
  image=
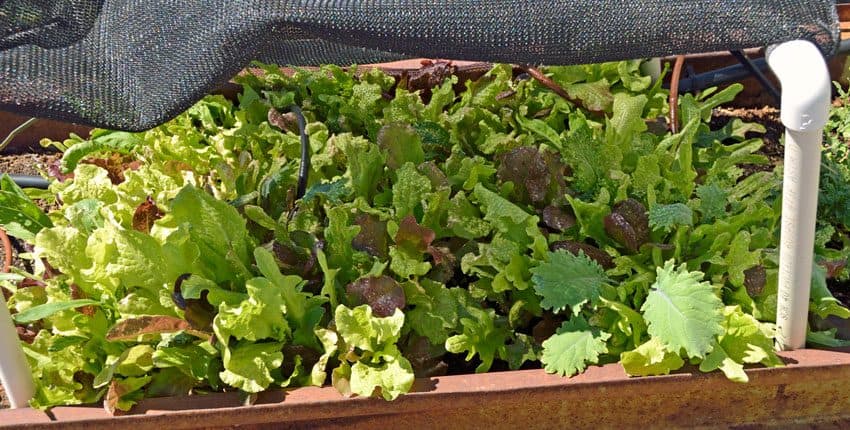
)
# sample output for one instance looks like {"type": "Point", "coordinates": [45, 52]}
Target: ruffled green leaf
{"type": "Point", "coordinates": [650, 358]}
{"type": "Point", "coordinates": [568, 281]}
{"type": "Point", "coordinates": [248, 366]}
{"type": "Point", "coordinates": [572, 347]}
{"type": "Point", "coordinates": [682, 312]}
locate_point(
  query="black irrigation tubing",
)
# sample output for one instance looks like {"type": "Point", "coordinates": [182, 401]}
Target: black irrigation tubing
{"type": "Point", "coordinates": [23, 181]}
{"type": "Point", "coordinates": [757, 73]}
{"type": "Point", "coordinates": [30, 181]}
{"type": "Point", "coordinates": [844, 46]}
{"type": "Point", "coordinates": [733, 73]}
{"type": "Point", "coordinates": [716, 77]}
{"type": "Point", "coordinates": [727, 74]}
{"type": "Point", "coordinates": [304, 170]}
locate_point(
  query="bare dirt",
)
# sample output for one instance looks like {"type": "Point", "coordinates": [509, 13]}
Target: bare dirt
{"type": "Point", "coordinates": [767, 116]}
{"type": "Point", "coordinates": [27, 164]}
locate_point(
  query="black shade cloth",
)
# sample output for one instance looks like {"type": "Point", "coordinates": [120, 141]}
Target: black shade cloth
{"type": "Point", "coordinates": [132, 64]}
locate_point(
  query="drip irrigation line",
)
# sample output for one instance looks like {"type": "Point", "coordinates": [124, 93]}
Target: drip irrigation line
{"type": "Point", "coordinates": [23, 181]}
{"type": "Point", "coordinates": [844, 46]}
{"type": "Point", "coordinates": [30, 181]}
{"type": "Point", "coordinates": [304, 169]}
{"type": "Point", "coordinates": [548, 83]}
{"type": "Point", "coordinates": [717, 77]}
{"type": "Point", "coordinates": [674, 93]}
{"type": "Point", "coordinates": [765, 83]}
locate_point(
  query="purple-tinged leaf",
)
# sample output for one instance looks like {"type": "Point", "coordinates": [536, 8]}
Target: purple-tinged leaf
{"type": "Point", "coordinates": [628, 224]}
{"type": "Point", "coordinates": [283, 121]}
{"type": "Point", "coordinates": [558, 219]}
{"type": "Point", "coordinates": [413, 236]}
{"type": "Point", "coordinates": [527, 169]}
{"type": "Point", "coordinates": [435, 175]}
{"type": "Point", "coordinates": [755, 279]}
{"type": "Point", "coordinates": [132, 328]}
{"type": "Point", "coordinates": [372, 238]}
{"type": "Point", "coordinates": [199, 313]}
{"type": "Point", "coordinates": [444, 264]}
{"type": "Point", "coordinates": [382, 293]}
{"type": "Point", "coordinates": [425, 358]}
{"type": "Point", "coordinates": [145, 215]}
{"type": "Point", "coordinates": [401, 144]}
{"type": "Point", "coordinates": [834, 268]}
{"type": "Point", "coordinates": [294, 260]}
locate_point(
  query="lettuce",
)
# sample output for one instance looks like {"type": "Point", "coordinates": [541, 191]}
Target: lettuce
{"type": "Point", "coordinates": [487, 220]}
{"type": "Point", "coordinates": [379, 363]}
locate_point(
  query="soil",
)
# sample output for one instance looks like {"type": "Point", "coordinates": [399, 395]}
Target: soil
{"type": "Point", "coordinates": [841, 291]}
{"type": "Point", "coordinates": [27, 164]}
{"type": "Point", "coordinates": [767, 116]}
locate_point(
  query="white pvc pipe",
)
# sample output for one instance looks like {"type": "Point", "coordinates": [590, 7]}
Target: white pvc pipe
{"type": "Point", "coordinates": [806, 94]}
{"type": "Point", "coordinates": [14, 371]}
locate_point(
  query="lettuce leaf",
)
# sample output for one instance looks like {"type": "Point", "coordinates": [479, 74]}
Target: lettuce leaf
{"type": "Point", "coordinates": [381, 364]}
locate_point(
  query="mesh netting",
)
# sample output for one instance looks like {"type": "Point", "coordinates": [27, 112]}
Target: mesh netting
{"type": "Point", "coordinates": [132, 64]}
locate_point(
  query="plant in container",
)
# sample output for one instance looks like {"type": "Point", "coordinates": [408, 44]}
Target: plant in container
{"type": "Point", "coordinates": [358, 230]}
{"type": "Point", "coordinates": [433, 231]}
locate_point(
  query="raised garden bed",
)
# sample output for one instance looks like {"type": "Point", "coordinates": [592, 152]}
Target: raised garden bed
{"type": "Point", "coordinates": [688, 398]}
{"type": "Point", "coordinates": [809, 392]}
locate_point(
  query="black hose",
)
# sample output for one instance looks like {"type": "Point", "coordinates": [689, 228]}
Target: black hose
{"type": "Point", "coordinates": [29, 181]}
{"type": "Point", "coordinates": [756, 72]}
{"type": "Point", "coordinates": [844, 46]}
{"type": "Point", "coordinates": [304, 170]}
{"type": "Point", "coordinates": [734, 73]}
{"type": "Point", "coordinates": [24, 181]}
{"type": "Point", "coordinates": [717, 77]}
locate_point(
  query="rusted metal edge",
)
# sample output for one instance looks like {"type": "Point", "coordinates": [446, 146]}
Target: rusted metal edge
{"type": "Point", "coordinates": [844, 20]}
{"type": "Point", "coordinates": [811, 388]}
{"type": "Point", "coordinates": [28, 140]}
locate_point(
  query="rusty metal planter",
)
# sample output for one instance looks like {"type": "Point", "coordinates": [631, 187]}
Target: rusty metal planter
{"type": "Point", "coordinates": [813, 389]}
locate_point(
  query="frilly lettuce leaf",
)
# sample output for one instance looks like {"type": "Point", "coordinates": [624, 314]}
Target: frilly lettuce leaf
{"type": "Point", "coordinates": [483, 334]}
{"type": "Point", "coordinates": [54, 373]}
{"type": "Point", "coordinates": [217, 229]}
{"type": "Point", "coordinates": [683, 312]}
{"type": "Point", "coordinates": [380, 363]}
{"type": "Point", "coordinates": [650, 358]}
{"type": "Point", "coordinates": [90, 182]}
{"type": "Point", "coordinates": [248, 365]}
{"type": "Point", "coordinates": [744, 341]}
{"type": "Point", "coordinates": [575, 344]}
{"type": "Point", "coordinates": [259, 316]}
